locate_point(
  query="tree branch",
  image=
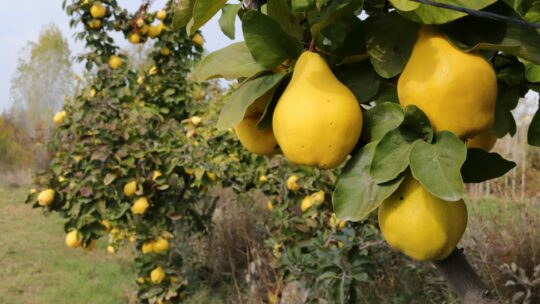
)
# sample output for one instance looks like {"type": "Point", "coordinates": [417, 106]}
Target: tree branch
{"type": "Point", "coordinates": [462, 278]}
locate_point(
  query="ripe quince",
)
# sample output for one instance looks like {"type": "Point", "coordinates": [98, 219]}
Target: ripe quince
{"type": "Point", "coordinates": [456, 90]}
{"type": "Point", "coordinates": [251, 137]}
{"type": "Point", "coordinates": [421, 225]}
{"type": "Point", "coordinates": [317, 121]}
{"type": "Point", "coordinates": [485, 141]}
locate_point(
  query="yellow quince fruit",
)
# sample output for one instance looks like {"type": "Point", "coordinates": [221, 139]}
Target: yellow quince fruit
{"type": "Point", "coordinates": [98, 10]}
{"type": "Point", "coordinates": [134, 38]}
{"type": "Point", "coordinates": [198, 40]}
{"type": "Point", "coordinates": [115, 62]}
{"type": "Point", "coordinates": [46, 197]}
{"type": "Point", "coordinates": [161, 245]}
{"type": "Point", "coordinates": [147, 247]}
{"type": "Point", "coordinates": [156, 174]}
{"type": "Point", "coordinates": [485, 141]}
{"type": "Point", "coordinates": [94, 24]}
{"type": "Point", "coordinates": [291, 183]}
{"type": "Point", "coordinates": [157, 275]}
{"type": "Point", "coordinates": [140, 206]}
{"type": "Point", "coordinates": [72, 239]}
{"type": "Point", "coordinates": [130, 188]}
{"type": "Point", "coordinates": [307, 203]}
{"type": "Point", "coordinates": [59, 117]}
{"type": "Point", "coordinates": [165, 51]}
{"type": "Point", "coordinates": [256, 141]}
{"type": "Point", "coordinates": [455, 89]}
{"type": "Point", "coordinates": [317, 121]}
{"type": "Point", "coordinates": [161, 15]}
{"type": "Point", "coordinates": [421, 225]}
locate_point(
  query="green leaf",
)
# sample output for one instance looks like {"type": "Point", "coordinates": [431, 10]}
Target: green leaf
{"type": "Point", "coordinates": [232, 62]}
{"type": "Point", "coordinates": [333, 12]}
{"type": "Point", "coordinates": [481, 166]}
{"type": "Point", "coordinates": [361, 79]}
{"type": "Point", "coordinates": [301, 5]}
{"type": "Point", "coordinates": [356, 194]}
{"type": "Point", "coordinates": [428, 14]}
{"type": "Point", "coordinates": [279, 11]}
{"type": "Point", "coordinates": [109, 178]}
{"type": "Point", "coordinates": [237, 103]}
{"type": "Point", "coordinates": [474, 33]}
{"type": "Point", "coordinates": [380, 119]}
{"type": "Point", "coordinates": [203, 10]}
{"type": "Point", "coordinates": [228, 18]}
{"type": "Point", "coordinates": [269, 44]}
{"type": "Point", "coordinates": [392, 155]}
{"type": "Point", "coordinates": [437, 166]}
{"type": "Point", "coordinates": [504, 122]}
{"type": "Point", "coordinates": [533, 134]}
{"type": "Point", "coordinates": [405, 5]}
{"type": "Point", "coordinates": [182, 14]}
{"type": "Point", "coordinates": [389, 41]}
{"type": "Point", "coordinates": [532, 71]}
{"type": "Point", "coordinates": [416, 121]}
{"type": "Point", "coordinates": [533, 14]}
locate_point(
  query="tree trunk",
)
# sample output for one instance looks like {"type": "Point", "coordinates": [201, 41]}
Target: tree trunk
{"type": "Point", "coordinates": [463, 280]}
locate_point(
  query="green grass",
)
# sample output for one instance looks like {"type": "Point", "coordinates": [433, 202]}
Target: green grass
{"type": "Point", "coordinates": [500, 209]}
{"type": "Point", "coordinates": [37, 267]}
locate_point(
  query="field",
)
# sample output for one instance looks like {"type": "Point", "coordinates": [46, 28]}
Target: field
{"type": "Point", "coordinates": [38, 268]}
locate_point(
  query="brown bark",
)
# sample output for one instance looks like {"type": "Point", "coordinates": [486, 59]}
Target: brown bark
{"type": "Point", "coordinates": [463, 280]}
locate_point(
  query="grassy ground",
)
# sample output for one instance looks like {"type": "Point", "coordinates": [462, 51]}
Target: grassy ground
{"type": "Point", "coordinates": [36, 267]}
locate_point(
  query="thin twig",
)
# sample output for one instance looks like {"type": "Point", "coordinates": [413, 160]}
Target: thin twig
{"type": "Point", "coordinates": [481, 14]}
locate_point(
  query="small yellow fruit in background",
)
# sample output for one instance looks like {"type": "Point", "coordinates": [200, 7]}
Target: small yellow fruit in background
{"type": "Point", "coordinates": [140, 280]}
{"type": "Point", "coordinates": [212, 176]}
{"type": "Point", "coordinates": [115, 231]}
{"type": "Point", "coordinates": [132, 239]}
{"type": "Point", "coordinates": [161, 15]}
{"type": "Point", "coordinates": [147, 247]}
{"type": "Point", "coordinates": [106, 224]}
{"type": "Point", "coordinates": [318, 198]}
{"type": "Point", "coordinates": [59, 117]}
{"type": "Point", "coordinates": [256, 141]}
{"type": "Point", "coordinates": [161, 245]}
{"type": "Point", "coordinates": [153, 71]}
{"type": "Point", "coordinates": [189, 171]}
{"type": "Point", "coordinates": [140, 206]}
{"type": "Point", "coordinates": [317, 120]}
{"type": "Point", "coordinates": [134, 38]}
{"type": "Point", "coordinates": [270, 206]}
{"type": "Point", "coordinates": [456, 90]}
{"type": "Point", "coordinates": [198, 40]}
{"type": "Point", "coordinates": [485, 141]}
{"type": "Point", "coordinates": [157, 275]}
{"type": "Point", "coordinates": [46, 197]}
{"type": "Point", "coordinates": [33, 190]}
{"type": "Point", "coordinates": [72, 239]}
{"type": "Point", "coordinates": [61, 179]}
{"type": "Point", "coordinates": [94, 24]}
{"type": "Point", "coordinates": [130, 188]}
{"type": "Point", "coordinates": [307, 202]}
{"type": "Point", "coordinates": [111, 250]}
{"type": "Point", "coordinates": [98, 10]}
{"type": "Point", "coordinates": [156, 174]}
{"type": "Point", "coordinates": [77, 158]}
{"type": "Point", "coordinates": [263, 178]}
{"type": "Point", "coordinates": [421, 225]}
{"type": "Point", "coordinates": [140, 80]}
{"type": "Point", "coordinates": [153, 31]}
{"type": "Point", "coordinates": [115, 62]}
{"type": "Point", "coordinates": [140, 22]}
{"type": "Point", "coordinates": [291, 183]}
{"type": "Point", "coordinates": [165, 51]}
{"type": "Point", "coordinates": [195, 120]}
{"type": "Point", "coordinates": [92, 93]}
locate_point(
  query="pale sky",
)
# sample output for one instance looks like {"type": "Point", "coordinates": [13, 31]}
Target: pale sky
{"type": "Point", "coordinates": [21, 21]}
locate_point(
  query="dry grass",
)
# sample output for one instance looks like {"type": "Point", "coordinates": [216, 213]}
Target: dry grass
{"type": "Point", "coordinates": [508, 233]}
